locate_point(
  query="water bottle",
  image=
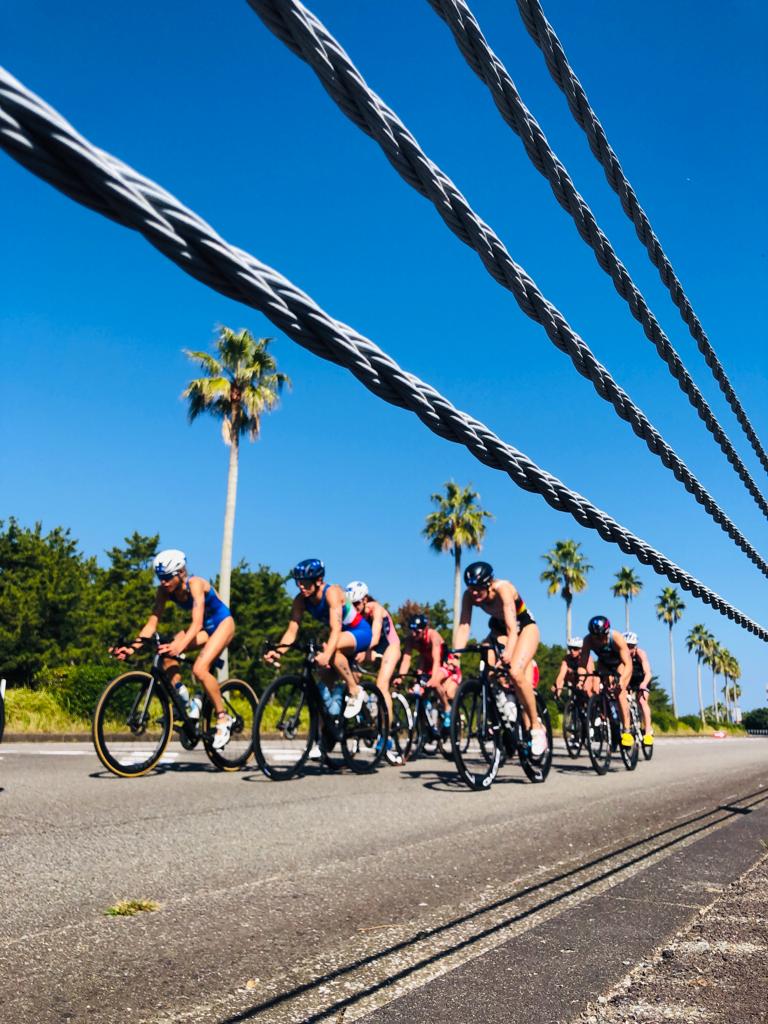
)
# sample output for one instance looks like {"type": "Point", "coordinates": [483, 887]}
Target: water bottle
{"type": "Point", "coordinates": [431, 712]}
{"type": "Point", "coordinates": [194, 707]}
{"type": "Point", "coordinates": [614, 712]}
{"type": "Point", "coordinates": [183, 693]}
{"type": "Point", "coordinates": [337, 700]}
{"type": "Point", "coordinates": [328, 699]}
{"type": "Point", "coordinates": [417, 689]}
{"type": "Point", "coordinates": [373, 706]}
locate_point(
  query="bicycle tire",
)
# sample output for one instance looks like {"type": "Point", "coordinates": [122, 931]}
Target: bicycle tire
{"type": "Point", "coordinates": [475, 713]}
{"type": "Point", "coordinates": [537, 768]}
{"type": "Point", "coordinates": [630, 755]}
{"type": "Point", "coordinates": [573, 729]}
{"type": "Point", "coordinates": [647, 749]}
{"type": "Point", "coordinates": [426, 739]}
{"type": "Point", "coordinates": [364, 740]}
{"type": "Point", "coordinates": [132, 713]}
{"type": "Point", "coordinates": [598, 734]}
{"type": "Point", "coordinates": [284, 728]}
{"type": "Point", "coordinates": [240, 701]}
{"type": "Point", "coordinates": [401, 726]}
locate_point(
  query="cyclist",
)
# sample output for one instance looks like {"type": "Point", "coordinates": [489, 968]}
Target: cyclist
{"type": "Point", "coordinates": [612, 656]}
{"type": "Point", "coordinates": [514, 628]}
{"type": "Point", "coordinates": [385, 646]}
{"type": "Point", "coordinates": [571, 674]}
{"type": "Point", "coordinates": [349, 630]}
{"type": "Point", "coordinates": [211, 629]}
{"type": "Point", "coordinates": [441, 669]}
{"type": "Point", "coordinates": [641, 683]}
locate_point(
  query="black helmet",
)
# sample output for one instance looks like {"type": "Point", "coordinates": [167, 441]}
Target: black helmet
{"type": "Point", "coordinates": [478, 574]}
{"type": "Point", "coordinates": [418, 622]}
{"type": "Point", "coordinates": [309, 569]}
{"type": "Point", "coordinates": [599, 626]}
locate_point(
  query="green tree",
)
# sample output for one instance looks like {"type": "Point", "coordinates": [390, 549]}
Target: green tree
{"type": "Point", "coordinates": [458, 523]}
{"type": "Point", "coordinates": [239, 386]}
{"type": "Point", "coordinates": [756, 719]}
{"type": "Point", "coordinates": [566, 574]}
{"type": "Point", "coordinates": [713, 657]}
{"type": "Point", "coordinates": [44, 600]}
{"type": "Point", "coordinates": [669, 609]}
{"type": "Point", "coordinates": [696, 642]}
{"type": "Point", "coordinates": [438, 613]}
{"type": "Point", "coordinates": [628, 585]}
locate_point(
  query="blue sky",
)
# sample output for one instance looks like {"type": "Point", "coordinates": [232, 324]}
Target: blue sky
{"type": "Point", "coordinates": [206, 101]}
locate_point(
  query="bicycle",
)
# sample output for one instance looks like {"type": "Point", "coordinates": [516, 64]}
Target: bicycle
{"type": "Point", "coordinates": [575, 722]}
{"type": "Point", "coordinates": [604, 726]}
{"type": "Point", "coordinates": [638, 731]}
{"type": "Point", "coordinates": [296, 712]}
{"type": "Point", "coordinates": [427, 735]}
{"type": "Point", "coordinates": [138, 712]}
{"type": "Point", "coordinates": [482, 738]}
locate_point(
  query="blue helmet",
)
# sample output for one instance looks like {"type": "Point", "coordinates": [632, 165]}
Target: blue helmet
{"type": "Point", "coordinates": [309, 569]}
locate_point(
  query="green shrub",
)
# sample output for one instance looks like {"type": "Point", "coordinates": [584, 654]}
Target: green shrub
{"type": "Point", "coordinates": [38, 711]}
{"type": "Point", "coordinates": [691, 720]}
{"type": "Point", "coordinates": [76, 688]}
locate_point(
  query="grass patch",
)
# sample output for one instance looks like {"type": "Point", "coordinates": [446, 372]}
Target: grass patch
{"type": "Point", "coordinates": [129, 908]}
{"type": "Point", "coordinates": [39, 711]}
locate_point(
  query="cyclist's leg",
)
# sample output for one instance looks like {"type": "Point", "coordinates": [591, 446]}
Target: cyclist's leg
{"type": "Point", "coordinates": [389, 662]}
{"type": "Point", "coordinates": [345, 652]}
{"type": "Point", "coordinates": [211, 647]}
{"type": "Point", "coordinates": [645, 710]}
{"type": "Point", "coordinates": [171, 666]}
{"type": "Point", "coordinates": [522, 654]}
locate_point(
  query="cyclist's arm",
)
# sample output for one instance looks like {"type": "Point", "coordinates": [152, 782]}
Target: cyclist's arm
{"type": "Point", "coordinates": [437, 668]}
{"type": "Point", "coordinates": [147, 630]}
{"type": "Point", "coordinates": [507, 593]}
{"type": "Point", "coordinates": [376, 624]}
{"type": "Point", "coordinates": [197, 590]}
{"type": "Point", "coordinates": [646, 683]}
{"type": "Point", "coordinates": [465, 621]}
{"type": "Point", "coordinates": [292, 629]}
{"type": "Point", "coordinates": [335, 598]}
{"type": "Point", "coordinates": [585, 658]}
{"type": "Point", "coordinates": [560, 681]}
{"type": "Point", "coordinates": [405, 661]}
{"type": "Point", "coordinates": [625, 666]}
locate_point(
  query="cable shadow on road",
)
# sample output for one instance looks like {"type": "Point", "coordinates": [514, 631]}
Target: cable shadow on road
{"type": "Point", "coordinates": [540, 887]}
{"type": "Point", "coordinates": [185, 767]}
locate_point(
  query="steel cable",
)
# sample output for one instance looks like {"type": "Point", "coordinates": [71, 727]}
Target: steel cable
{"type": "Point", "coordinates": [545, 38]}
{"type": "Point", "coordinates": [35, 135]}
{"type": "Point", "coordinates": [301, 31]}
{"type": "Point", "coordinates": [487, 66]}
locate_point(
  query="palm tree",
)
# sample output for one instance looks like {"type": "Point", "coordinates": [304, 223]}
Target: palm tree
{"type": "Point", "coordinates": [566, 574]}
{"type": "Point", "coordinates": [712, 657]}
{"type": "Point", "coordinates": [734, 674]}
{"type": "Point", "coordinates": [726, 658]}
{"type": "Point", "coordinates": [628, 585]}
{"type": "Point", "coordinates": [696, 642]}
{"type": "Point", "coordinates": [669, 609]}
{"type": "Point", "coordinates": [241, 383]}
{"type": "Point", "coordinates": [457, 523]}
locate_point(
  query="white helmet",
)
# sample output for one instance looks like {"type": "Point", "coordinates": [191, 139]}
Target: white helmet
{"type": "Point", "coordinates": [166, 563]}
{"type": "Point", "coordinates": [575, 641]}
{"type": "Point", "coordinates": [356, 591]}
{"type": "Point", "coordinates": [630, 637]}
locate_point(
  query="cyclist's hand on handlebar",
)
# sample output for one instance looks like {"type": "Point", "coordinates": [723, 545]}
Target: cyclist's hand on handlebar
{"type": "Point", "coordinates": [322, 659]}
{"type": "Point", "coordinates": [272, 657]}
{"type": "Point", "coordinates": [121, 653]}
{"type": "Point", "coordinates": [172, 650]}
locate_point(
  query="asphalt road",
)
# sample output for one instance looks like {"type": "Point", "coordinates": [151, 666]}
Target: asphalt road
{"type": "Point", "coordinates": [396, 897]}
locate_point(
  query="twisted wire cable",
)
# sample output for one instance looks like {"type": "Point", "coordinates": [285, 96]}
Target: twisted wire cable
{"type": "Point", "coordinates": [39, 138]}
{"type": "Point", "coordinates": [301, 31]}
{"type": "Point", "coordinates": [565, 78]}
{"type": "Point", "coordinates": [487, 66]}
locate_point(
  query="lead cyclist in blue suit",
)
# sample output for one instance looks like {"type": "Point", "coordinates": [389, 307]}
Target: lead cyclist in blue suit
{"type": "Point", "coordinates": [211, 630]}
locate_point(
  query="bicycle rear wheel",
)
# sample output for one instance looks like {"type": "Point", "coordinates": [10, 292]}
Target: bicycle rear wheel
{"type": "Point", "coordinates": [240, 703]}
{"type": "Point", "coordinates": [573, 733]}
{"type": "Point", "coordinates": [537, 768]}
{"type": "Point", "coordinates": [598, 734]}
{"type": "Point", "coordinates": [401, 726]}
{"type": "Point", "coordinates": [364, 740]}
{"type": "Point", "coordinates": [475, 735]}
{"type": "Point", "coordinates": [629, 755]}
{"type": "Point", "coordinates": [132, 724]}
{"type": "Point", "coordinates": [284, 728]}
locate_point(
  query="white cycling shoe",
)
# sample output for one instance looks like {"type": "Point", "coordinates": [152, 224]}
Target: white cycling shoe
{"type": "Point", "coordinates": [353, 705]}
{"type": "Point", "coordinates": [538, 741]}
{"type": "Point", "coordinates": [221, 736]}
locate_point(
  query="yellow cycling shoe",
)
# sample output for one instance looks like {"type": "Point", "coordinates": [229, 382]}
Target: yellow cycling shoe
{"type": "Point", "coordinates": [648, 739]}
{"type": "Point", "coordinates": [627, 739]}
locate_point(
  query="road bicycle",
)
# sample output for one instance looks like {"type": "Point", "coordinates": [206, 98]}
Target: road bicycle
{"type": "Point", "coordinates": [488, 727]}
{"type": "Point", "coordinates": [604, 727]}
{"type": "Point", "coordinates": [427, 734]}
{"type": "Point", "coordinates": [636, 715]}
{"type": "Point", "coordinates": [299, 717]}
{"type": "Point", "coordinates": [138, 712]}
{"type": "Point", "coordinates": [575, 721]}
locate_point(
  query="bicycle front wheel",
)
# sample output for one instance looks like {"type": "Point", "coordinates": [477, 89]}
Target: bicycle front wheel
{"type": "Point", "coordinates": [401, 727]}
{"type": "Point", "coordinates": [573, 733]}
{"type": "Point", "coordinates": [132, 724]}
{"type": "Point", "coordinates": [537, 768]}
{"type": "Point", "coordinates": [364, 740]}
{"type": "Point", "coordinates": [240, 703]}
{"type": "Point", "coordinates": [630, 755]}
{"type": "Point", "coordinates": [284, 728]}
{"type": "Point", "coordinates": [475, 735]}
{"type": "Point", "coordinates": [598, 734]}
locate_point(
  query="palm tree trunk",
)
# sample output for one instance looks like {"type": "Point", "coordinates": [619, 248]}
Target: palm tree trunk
{"type": "Point", "coordinates": [456, 589]}
{"type": "Point", "coordinates": [568, 633]}
{"type": "Point", "coordinates": [626, 614]}
{"type": "Point", "coordinates": [701, 695]}
{"type": "Point", "coordinates": [672, 670]}
{"type": "Point", "coordinates": [225, 572]}
{"type": "Point", "coordinates": [715, 705]}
